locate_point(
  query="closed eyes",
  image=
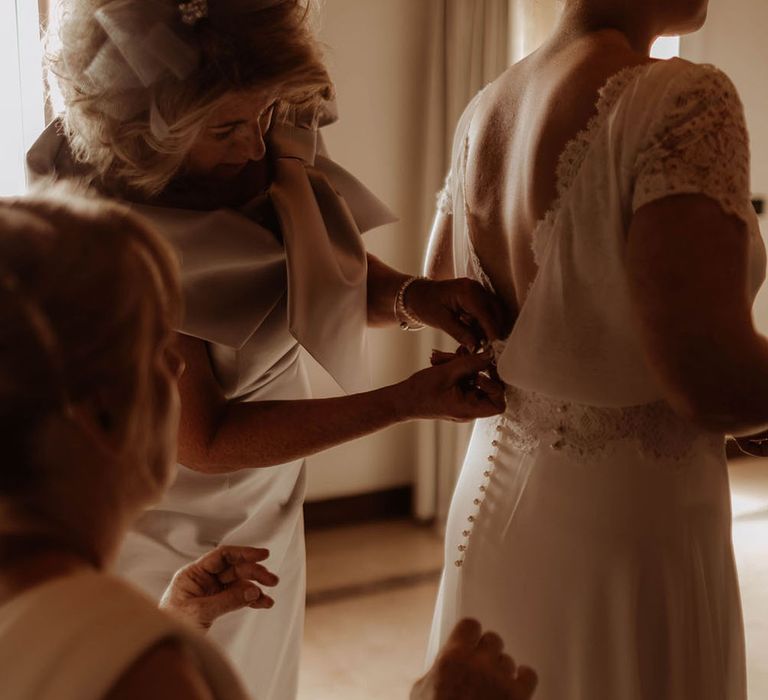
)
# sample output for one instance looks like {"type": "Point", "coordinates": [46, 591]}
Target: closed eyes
{"type": "Point", "coordinates": [225, 134]}
{"type": "Point", "coordinates": [222, 132]}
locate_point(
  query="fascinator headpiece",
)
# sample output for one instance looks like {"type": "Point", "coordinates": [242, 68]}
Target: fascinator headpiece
{"type": "Point", "coordinates": [193, 11]}
{"type": "Point", "coordinates": [147, 40]}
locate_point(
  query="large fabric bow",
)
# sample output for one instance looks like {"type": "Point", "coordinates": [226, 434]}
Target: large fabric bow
{"type": "Point", "coordinates": [235, 271]}
{"type": "Point", "coordinates": [326, 259]}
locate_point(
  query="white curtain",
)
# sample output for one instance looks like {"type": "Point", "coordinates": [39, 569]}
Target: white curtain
{"type": "Point", "coordinates": [473, 42]}
{"type": "Point", "coordinates": [21, 84]}
{"type": "Point", "coordinates": [531, 21]}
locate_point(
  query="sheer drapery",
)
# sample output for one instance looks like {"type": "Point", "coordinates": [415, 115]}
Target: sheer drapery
{"type": "Point", "coordinates": [21, 84]}
{"type": "Point", "coordinates": [531, 21]}
{"type": "Point", "coordinates": [473, 42]}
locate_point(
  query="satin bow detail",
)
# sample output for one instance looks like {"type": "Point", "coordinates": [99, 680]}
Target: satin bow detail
{"type": "Point", "coordinates": [326, 260]}
{"type": "Point", "coordinates": [235, 272]}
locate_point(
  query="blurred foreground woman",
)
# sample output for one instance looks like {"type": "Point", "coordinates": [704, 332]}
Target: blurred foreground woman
{"type": "Point", "coordinates": [89, 411]}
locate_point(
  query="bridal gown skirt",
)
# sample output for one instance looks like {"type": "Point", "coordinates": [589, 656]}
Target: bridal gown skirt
{"type": "Point", "coordinates": [609, 570]}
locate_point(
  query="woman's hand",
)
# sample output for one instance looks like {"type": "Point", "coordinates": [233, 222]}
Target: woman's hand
{"type": "Point", "coordinates": [463, 308]}
{"type": "Point", "coordinates": [458, 388]}
{"type": "Point", "coordinates": [219, 582]}
{"type": "Point", "coordinates": [473, 666]}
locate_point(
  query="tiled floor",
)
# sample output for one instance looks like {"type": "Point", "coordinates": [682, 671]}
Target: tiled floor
{"type": "Point", "coordinates": [370, 593]}
{"type": "Point", "coordinates": [372, 588]}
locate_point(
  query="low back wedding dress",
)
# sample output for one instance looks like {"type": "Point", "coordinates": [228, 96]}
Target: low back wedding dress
{"type": "Point", "coordinates": [591, 525]}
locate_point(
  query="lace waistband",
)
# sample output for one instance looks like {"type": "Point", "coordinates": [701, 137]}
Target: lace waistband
{"type": "Point", "coordinates": [533, 420]}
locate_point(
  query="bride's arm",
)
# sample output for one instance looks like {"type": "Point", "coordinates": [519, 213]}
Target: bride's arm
{"type": "Point", "coordinates": [438, 262]}
{"type": "Point", "coordinates": [688, 265]}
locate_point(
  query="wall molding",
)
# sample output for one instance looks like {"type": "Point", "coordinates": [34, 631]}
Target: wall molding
{"type": "Point", "coordinates": [351, 510]}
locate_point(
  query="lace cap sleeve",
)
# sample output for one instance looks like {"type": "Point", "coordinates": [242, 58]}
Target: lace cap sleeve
{"type": "Point", "coordinates": [698, 145]}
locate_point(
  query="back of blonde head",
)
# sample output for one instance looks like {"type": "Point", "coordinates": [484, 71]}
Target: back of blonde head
{"type": "Point", "coordinates": [242, 45]}
{"type": "Point", "coordinates": [84, 288]}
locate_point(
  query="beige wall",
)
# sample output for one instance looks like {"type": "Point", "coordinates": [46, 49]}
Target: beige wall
{"type": "Point", "coordinates": [734, 40]}
{"type": "Point", "coordinates": [377, 53]}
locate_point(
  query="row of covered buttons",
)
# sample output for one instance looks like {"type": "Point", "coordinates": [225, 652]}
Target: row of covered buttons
{"type": "Point", "coordinates": [478, 502]}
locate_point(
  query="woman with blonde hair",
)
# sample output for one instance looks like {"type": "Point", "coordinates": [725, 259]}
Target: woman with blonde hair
{"type": "Point", "coordinates": [89, 407]}
{"type": "Point", "coordinates": [204, 116]}
{"type": "Point", "coordinates": [606, 197]}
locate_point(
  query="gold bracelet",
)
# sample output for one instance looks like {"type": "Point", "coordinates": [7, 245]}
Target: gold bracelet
{"type": "Point", "coordinates": [407, 320]}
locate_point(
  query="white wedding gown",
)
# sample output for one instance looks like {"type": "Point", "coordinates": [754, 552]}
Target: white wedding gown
{"type": "Point", "coordinates": [591, 526]}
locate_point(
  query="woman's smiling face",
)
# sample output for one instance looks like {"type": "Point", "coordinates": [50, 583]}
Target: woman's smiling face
{"type": "Point", "coordinates": [233, 136]}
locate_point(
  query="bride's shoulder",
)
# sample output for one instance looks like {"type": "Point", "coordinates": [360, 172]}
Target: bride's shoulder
{"type": "Point", "coordinates": [680, 77]}
{"type": "Point", "coordinates": [677, 93]}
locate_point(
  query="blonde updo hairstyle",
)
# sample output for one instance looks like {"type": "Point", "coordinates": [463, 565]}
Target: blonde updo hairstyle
{"type": "Point", "coordinates": [85, 289]}
{"type": "Point", "coordinates": [244, 45]}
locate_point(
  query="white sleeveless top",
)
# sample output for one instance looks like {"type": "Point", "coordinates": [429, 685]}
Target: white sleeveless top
{"type": "Point", "coordinates": [72, 638]}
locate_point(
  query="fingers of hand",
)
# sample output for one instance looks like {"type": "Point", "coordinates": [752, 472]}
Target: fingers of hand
{"type": "Point", "coordinates": [258, 600]}
{"type": "Point", "coordinates": [475, 395]}
{"type": "Point", "coordinates": [492, 388]}
{"type": "Point", "coordinates": [491, 645]}
{"type": "Point", "coordinates": [485, 309]}
{"type": "Point", "coordinates": [248, 571]}
{"type": "Point", "coordinates": [256, 572]}
{"type": "Point", "coordinates": [469, 365]}
{"type": "Point", "coordinates": [468, 335]}
{"type": "Point", "coordinates": [526, 682]}
{"type": "Point", "coordinates": [241, 594]}
{"type": "Point", "coordinates": [467, 633]}
{"type": "Point", "coordinates": [439, 357]}
{"type": "Point", "coordinates": [225, 556]}
{"type": "Point", "coordinates": [506, 665]}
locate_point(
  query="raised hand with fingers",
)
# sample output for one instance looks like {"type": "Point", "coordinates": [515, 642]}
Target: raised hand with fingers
{"type": "Point", "coordinates": [222, 581]}
{"type": "Point", "coordinates": [473, 666]}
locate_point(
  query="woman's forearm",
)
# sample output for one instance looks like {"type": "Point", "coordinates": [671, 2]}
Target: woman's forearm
{"type": "Point", "coordinates": [384, 283]}
{"type": "Point", "coordinates": [268, 433]}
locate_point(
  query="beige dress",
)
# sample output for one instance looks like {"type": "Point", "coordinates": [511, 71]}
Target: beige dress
{"type": "Point", "coordinates": [74, 637]}
{"type": "Point", "coordinates": [591, 526]}
{"type": "Point", "coordinates": [256, 296]}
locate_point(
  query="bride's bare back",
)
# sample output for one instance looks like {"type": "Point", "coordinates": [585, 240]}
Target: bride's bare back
{"type": "Point", "coordinates": [517, 131]}
{"type": "Point", "coordinates": [521, 127]}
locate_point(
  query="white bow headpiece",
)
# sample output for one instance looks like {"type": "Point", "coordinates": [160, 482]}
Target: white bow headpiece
{"type": "Point", "coordinates": [147, 40]}
{"type": "Point", "coordinates": [144, 43]}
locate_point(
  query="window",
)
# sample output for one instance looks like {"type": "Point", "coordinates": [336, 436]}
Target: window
{"type": "Point", "coordinates": [22, 107]}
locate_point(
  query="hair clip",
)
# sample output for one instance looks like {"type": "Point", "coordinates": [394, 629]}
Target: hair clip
{"type": "Point", "coordinates": [193, 11]}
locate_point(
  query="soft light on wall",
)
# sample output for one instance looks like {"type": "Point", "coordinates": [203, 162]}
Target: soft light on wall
{"type": "Point", "coordinates": [22, 114]}
{"type": "Point", "coordinates": [666, 47]}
